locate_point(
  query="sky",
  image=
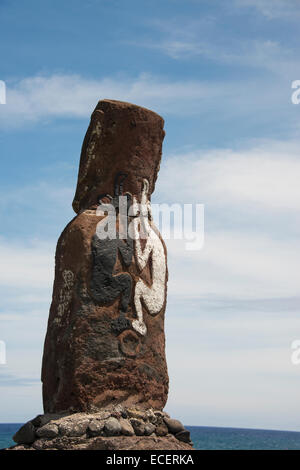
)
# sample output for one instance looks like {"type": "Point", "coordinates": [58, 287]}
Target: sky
{"type": "Point", "coordinates": [220, 73]}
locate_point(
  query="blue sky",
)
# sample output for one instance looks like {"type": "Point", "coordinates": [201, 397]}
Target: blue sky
{"type": "Point", "coordinates": [220, 74]}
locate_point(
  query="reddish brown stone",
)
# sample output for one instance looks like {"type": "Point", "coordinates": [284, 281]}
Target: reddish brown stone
{"type": "Point", "coordinates": [121, 136]}
{"type": "Point", "coordinates": [87, 364]}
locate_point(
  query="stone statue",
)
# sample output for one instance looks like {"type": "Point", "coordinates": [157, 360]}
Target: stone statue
{"type": "Point", "coordinates": [105, 342]}
{"type": "Point", "coordinates": [104, 371]}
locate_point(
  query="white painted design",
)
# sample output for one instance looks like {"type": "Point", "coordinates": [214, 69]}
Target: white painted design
{"type": "Point", "coordinates": [65, 294]}
{"type": "Point", "coordinates": [153, 296]}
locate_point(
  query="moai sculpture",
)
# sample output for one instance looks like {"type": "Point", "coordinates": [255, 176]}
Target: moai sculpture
{"type": "Point", "coordinates": [105, 342]}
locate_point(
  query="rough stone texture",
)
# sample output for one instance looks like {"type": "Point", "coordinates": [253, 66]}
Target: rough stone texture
{"type": "Point", "coordinates": [139, 443]}
{"type": "Point", "coordinates": [184, 436]}
{"type": "Point", "coordinates": [112, 427]}
{"type": "Point", "coordinates": [101, 430]}
{"type": "Point", "coordinates": [48, 430]}
{"type": "Point", "coordinates": [126, 427]}
{"type": "Point", "coordinates": [109, 443]}
{"type": "Point", "coordinates": [161, 430]}
{"type": "Point", "coordinates": [95, 428]}
{"type": "Point", "coordinates": [138, 426]}
{"type": "Point", "coordinates": [40, 420]}
{"type": "Point", "coordinates": [174, 425]}
{"type": "Point", "coordinates": [26, 434]}
{"type": "Point", "coordinates": [121, 137]}
{"type": "Point", "coordinates": [149, 429]}
{"type": "Point", "coordinates": [137, 414]}
{"type": "Point", "coordinates": [150, 416]}
{"type": "Point", "coordinates": [89, 362]}
{"type": "Point", "coordinates": [73, 430]}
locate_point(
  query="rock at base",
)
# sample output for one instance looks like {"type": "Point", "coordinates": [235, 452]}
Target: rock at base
{"type": "Point", "coordinates": [104, 430]}
{"type": "Point", "coordinates": [26, 434]}
{"type": "Point", "coordinates": [108, 443]}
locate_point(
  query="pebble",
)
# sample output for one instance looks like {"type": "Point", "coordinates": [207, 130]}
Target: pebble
{"type": "Point", "coordinates": [161, 430]}
{"type": "Point", "coordinates": [112, 427]}
{"type": "Point", "coordinates": [138, 426]}
{"type": "Point", "coordinates": [95, 428]}
{"type": "Point", "coordinates": [174, 425]}
{"type": "Point", "coordinates": [73, 429]}
{"type": "Point", "coordinates": [149, 429]}
{"type": "Point", "coordinates": [26, 434]}
{"type": "Point", "coordinates": [138, 414]}
{"type": "Point", "coordinates": [48, 430]}
{"type": "Point", "coordinates": [126, 427]}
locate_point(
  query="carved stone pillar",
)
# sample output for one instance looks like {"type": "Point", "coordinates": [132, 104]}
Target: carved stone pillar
{"type": "Point", "coordinates": [105, 342]}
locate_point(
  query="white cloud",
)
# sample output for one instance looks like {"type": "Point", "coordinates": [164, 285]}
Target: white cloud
{"type": "Point", "coordinates": [181, 39]}
{"type": "Point", "coordinates": [265, 176]}
{"type": "Point", "coordinates": [71, 96]}
{"type": "Point", "coordinates": [29, 266]}
{"type": "Point", "coordinates": [262, 55]}
{"type": "Point", "coordinates": [235, 265]}
{"type": "Point", "coordinates": [45, 193]}
{"type": "Point", "coordinates": [251, 199]}
{"type": "Point", "coordinates": [187, 39]}
{"type": "Point", "coordinates": [234, 365]}
{"type": "Point", "coordinates": [273, 8]}
{"type": "Point", "coordinates": [24, 335]}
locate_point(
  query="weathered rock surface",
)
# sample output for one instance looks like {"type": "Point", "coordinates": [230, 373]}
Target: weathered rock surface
{"type": "Point", "coordinates": [109, 443]}
{"type": "Point", "coordinates": [138, 426]}
{"type": "Point", "coordinates": [48, 430]}
{"type": "Point", "coordinates": [103, 431]}
{"type": "Point", "coordinates": [149, 429]}
{"type": "Point", "coordinates": [26, 434]}
{"type": "Point", "coordinates": [95, 428]}
{"type": "Point", "coordinates": [97, 351]}
{"type": "Point", "coordinates": [121, 137]}
{"type": "Point", "coordinates": [126, 428]}
{"type": "Point", "coordinates": [183, 436]}
{"type": "Point", "coordinates": [112, 427]}
{"type": "Point", "coordinates": [174, 425]}
{"type": "Point", "coordinates": [161, 430]}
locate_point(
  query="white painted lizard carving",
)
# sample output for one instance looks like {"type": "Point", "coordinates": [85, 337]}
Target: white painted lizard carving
{"type": "Point", "coordinates": [153, 297]}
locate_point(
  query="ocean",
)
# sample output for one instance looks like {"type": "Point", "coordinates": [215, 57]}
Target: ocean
{"type": "Point", "coordinates": [211, 438]}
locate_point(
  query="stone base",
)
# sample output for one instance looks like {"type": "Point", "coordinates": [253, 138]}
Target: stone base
{"type": "Point", "coordinates": [107, 443]}
{"type": "Point", "coordinates": [116, 429]}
